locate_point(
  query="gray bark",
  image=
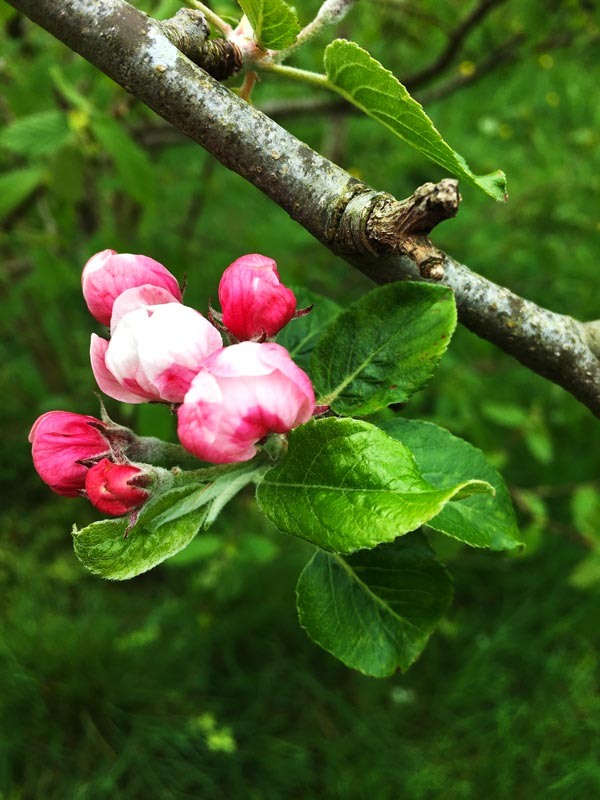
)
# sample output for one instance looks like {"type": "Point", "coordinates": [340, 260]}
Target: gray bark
{"type": "Point", "coordinates": [384, 238]}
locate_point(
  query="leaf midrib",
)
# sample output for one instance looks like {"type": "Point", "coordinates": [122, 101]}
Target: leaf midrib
{"type": "Point", "coordinates": [378, 601]}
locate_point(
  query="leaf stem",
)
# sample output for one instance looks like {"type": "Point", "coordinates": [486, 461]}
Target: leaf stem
{"type": "Point", "coordinates": [303, 75]}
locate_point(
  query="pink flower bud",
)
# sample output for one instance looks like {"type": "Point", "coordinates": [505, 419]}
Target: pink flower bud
{"type": "Point", "coordinates": [154, 353]}
{"type": "Point", "coordinates": [138, 297]}
{"type": "Point", "coordinates": [255, 304]}
{"type": "Point", "coordinates": [241, 394]}
{"type": "Point", "coordinates": [59, 441]}
{"type": "Point", "coordinates": [112, 488]}
{"type": "Point", "coordinates": [107, 274]}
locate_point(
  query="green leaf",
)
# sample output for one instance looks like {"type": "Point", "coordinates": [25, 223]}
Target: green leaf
{"type": "Point", "coordinates": [538, 439]}
{"type": "Point", "coordinates": [131, 162]}
{"type": "Point", "coordinates": [104, 550]}
{"type": "Point", "coordinates": [166, 524]}
{"type": "Point", "coordinates": [507, 415]}
{"type": "Point", "coordinates": [16, 186]}
{"type": "Point", "coordinates": [444, 459]}
{"type": "Point", "coordinates": [300, 336]}
{"type": "Point", "coordinates": [384, 348]}
{"type": "Point", "coordinates": [365, 83]}
{"type": "Point", "coordinates": [374, 610]}
{"type": "Point", "coordinates": [585, 507]}
{"type": "Point", "coordinates": [346, 485]}
{"type": "Point", "coordinates": [70, 92]}
{"type": "Point", "coordinates": [37, 134]}
{"type": "Point", "coordinates": [586, 574]}
{"type": "Point", "coordinates": [274, 23]}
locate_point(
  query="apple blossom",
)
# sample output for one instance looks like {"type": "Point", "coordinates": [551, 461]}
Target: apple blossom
{"type": "Point", "coordinates": [60, 440]}
{"type": "Point", "coordinates": [154, 353]}
{"type": "Point", "coordinates": [108, 273]}
{"type": "Point", "coordinates": [241, 394]}
{"type": "Point", "coordinates": [115, 488]}
{"type": "Point", "coordinates": [255, 304]}
{"type": "Point", "coordinates": [138, 297]}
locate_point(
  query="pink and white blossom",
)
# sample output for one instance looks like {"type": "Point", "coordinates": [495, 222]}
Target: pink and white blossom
{"type": "Point", "coordinates": [108, 274]}
{"type": "Point", "coordinates": [112, 488]}
{"type": "Point", "coordinates": [59, 441]}
{"type": "Point", "coordinates": [138, 297]}
{"type": "Point", "coordinates": [255, 304]}
{"type": "Point", "coordinates": [241, 394]}
{"type": "Point", "coordinates": [154, 353]}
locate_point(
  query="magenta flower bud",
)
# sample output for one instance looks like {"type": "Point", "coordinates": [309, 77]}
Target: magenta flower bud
{"type": "Point", "coordinates": [154, 353]}
{"type": "Point", "coordinates": [107, 274]}
{"type": "Point", "coordinates": [241, 394]}
{"type": "Point", "coordinates": [255, 304]}
{"type": "Point", "coordinates": [112, 488]}
{"type": "Point", "coordinates": [59, 441]}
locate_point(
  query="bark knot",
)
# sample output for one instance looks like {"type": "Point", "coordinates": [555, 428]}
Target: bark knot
{"type": "Point", "coordinates": [189, 31]}
{"type": "Point", "coordinates": [401, 226]}
{"type": "Point", "coordinates": [391, 220]}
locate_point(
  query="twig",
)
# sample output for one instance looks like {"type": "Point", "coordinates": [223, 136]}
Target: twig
{"type": "Point", "coordinates": [453, 45]}
{"type": "Point", "coordinates": [330, 13]}
{"type": "Point", "coordinates": [382, 237]}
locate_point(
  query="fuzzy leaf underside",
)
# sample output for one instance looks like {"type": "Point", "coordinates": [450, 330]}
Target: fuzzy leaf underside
{"type": "Point", "coordinates": [165, 525]}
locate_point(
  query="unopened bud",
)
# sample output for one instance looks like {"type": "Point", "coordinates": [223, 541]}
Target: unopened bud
{"type": "Point", "coordinates": [116, 489]}
{"type": "Point", "coordinates": [256, 305]}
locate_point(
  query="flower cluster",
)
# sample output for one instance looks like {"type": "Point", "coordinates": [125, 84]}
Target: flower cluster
{"type": "Point", "coordinates": [228, 397]}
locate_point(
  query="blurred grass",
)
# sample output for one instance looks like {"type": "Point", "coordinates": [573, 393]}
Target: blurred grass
{"type": "Point", "coordinates": [195, 679]}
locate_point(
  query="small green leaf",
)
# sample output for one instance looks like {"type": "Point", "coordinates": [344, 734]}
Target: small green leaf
{"type": "Point", "coordinates": [16, 186]}
{"type": "Point", "coordinates": [384, 348]}
{"type": "Point", "coordinates": [300, 336]}
{"type": "Point", "coordinates": [166, 524]}
{"type": "Point", "coordinates": [374, 610]}
{"type": "Point", "coordinates": [365, 83]}
{"type": "Point", "coordinates": [37, 134]}
{"type": "Point", "coordinates": [102, 548]}
{"type": "Point", "coordinates": [274, 23]}
{"type": "Point", "coordinates": [444, 459]}
{"type": "Point", "coordinates": [345, 485]}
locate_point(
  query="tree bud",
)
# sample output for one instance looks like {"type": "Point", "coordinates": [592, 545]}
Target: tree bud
{"type": "Point", "coordinates": [255, 304]}
{"type": "Point", "coordinates": [108, 273]}
{"type": "Point", "coordinates": [60, 440]}
{"type": "Point", "coordinates": [241, 394]}
{"type": "Point", "coordinates": [115, 488]}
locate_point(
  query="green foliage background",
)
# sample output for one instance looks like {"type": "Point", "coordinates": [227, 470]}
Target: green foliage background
{"type": "Point", "coordinates": [195, 680]}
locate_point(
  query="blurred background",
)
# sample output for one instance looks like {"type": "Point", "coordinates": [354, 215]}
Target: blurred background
{"type": "Point", "coordinates": [195, 680]}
